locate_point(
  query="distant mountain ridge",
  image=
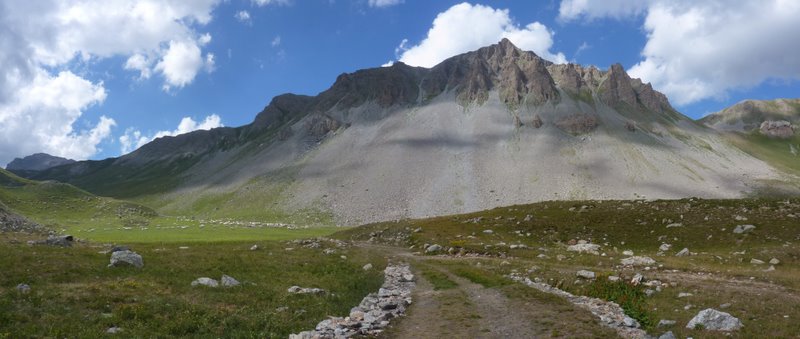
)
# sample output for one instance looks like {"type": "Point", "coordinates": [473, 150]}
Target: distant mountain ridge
{"type": "Point", "coordinates": [38, 162]}
{"type": "Point", "coordinates": [492, 127]}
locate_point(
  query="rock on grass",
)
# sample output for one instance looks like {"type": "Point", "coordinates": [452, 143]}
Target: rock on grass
{"type": "Point", "coordinates": [711, 319]}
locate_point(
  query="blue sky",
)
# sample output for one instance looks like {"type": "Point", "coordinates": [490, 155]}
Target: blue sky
{"type": "Point", "coordinates": [92, 79]}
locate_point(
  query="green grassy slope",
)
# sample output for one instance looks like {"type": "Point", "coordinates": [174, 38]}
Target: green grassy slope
{"type": "Point", "coordinates": [719, 270]}
{"type": "Point", "coordinates": [776, 152]}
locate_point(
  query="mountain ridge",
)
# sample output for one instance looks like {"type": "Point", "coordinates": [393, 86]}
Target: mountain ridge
{"type": "Point", "coordinates": [402, 141]}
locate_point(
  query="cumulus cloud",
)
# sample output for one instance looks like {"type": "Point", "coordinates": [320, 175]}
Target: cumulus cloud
{"type": "Point", "coordinates": [465, 27]}
{"type": "Point", "coordinates": [243, 16]}
{"type": "Point", "coordinates": [41, 115]}
{"type": "Point", "coordinates": [181, 63]}
{"type": "Point", "coordinates": [592, 9]}
{"type": "Point", "coordinates": [133, 138]}
{"type": "Point", "coordinates": [700, 50]}
{"type": "Point", "coordinates": [40, 40]}
{"type": "Point", "coordinates": [384, 3]}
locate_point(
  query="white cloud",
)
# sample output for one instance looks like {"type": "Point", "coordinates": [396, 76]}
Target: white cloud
{"type": "Point", "coordinates": [593, 9]}
{"type": "Point", "coordinates": [41, 116]}
{"type": "Point", "coordinates": [133, 138]}
{"type": "Point", "coordinates": [465, 27]}
{"type": "Point", "coordinates": [243, 16]}
{"type": "Point", "coordinates": [700, 50]}
{"type": "Point", "coordinates": [262, 3]}
{"type": "Point", "coordinates": [276, 41]}
{"type": "Point", "coordinates": [181, 63]}
{"type": "Point", "coordinates": [41, 40]}
{"type": "Point", "coordinates": [384, 3]}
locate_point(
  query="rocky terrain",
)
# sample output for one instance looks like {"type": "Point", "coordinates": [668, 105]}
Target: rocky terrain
{"type": "Point", "coordinates": [493, 127]}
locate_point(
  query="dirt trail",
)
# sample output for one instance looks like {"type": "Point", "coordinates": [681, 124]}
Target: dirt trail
{"type": "Point", "coordinates": [470, 310]}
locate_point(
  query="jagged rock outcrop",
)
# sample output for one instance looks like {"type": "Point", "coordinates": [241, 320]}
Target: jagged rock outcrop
{"type": "Point", "coordinates": [777, 129]}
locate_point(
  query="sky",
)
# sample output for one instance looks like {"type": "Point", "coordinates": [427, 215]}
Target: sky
{"type": "Point", "coordinates": [91, 79]}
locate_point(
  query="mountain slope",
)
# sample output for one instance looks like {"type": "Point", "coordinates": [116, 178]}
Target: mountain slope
{"type": "Point", "coordinates": [35, 163]}
{"type": "Point", "coordinates": [58, 205]}
{"type": "Point", "coordinates": [765, 129]}
{"type": "Point", "coordinates": [497, 126]}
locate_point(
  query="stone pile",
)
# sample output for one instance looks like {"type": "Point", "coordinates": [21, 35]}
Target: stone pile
{"type": "Point", "coordinates": [376, 309]}
{"type": "Point", "coordinates": [610, 313]}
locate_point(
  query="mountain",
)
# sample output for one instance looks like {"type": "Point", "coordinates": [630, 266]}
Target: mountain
{"type": "Point", "coordinates": [765, 129]}
{"type": "Point", "coordinates": [749, 115]}
{"type": "Point", "coordinates": [36, 163]}
{"type": "Point", "coordinates": [493, 127]}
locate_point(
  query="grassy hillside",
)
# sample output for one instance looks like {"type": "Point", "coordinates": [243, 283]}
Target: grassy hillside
{"type": "Point", "coordinates": [67, 209]}
{"type": "Point", "coordinates": [784, 154]}
{"type": "Point", "coordinates": [718, 271]}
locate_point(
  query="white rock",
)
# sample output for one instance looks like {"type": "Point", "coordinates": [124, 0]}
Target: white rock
{"type": "Point", "coordinates": [585, 248]}
{"type": "Point", "coordinates": [113, 330]}
{"type": "Point", "coordinates": [666, 323]}
{"type": "Point", "coordinates": [228, 281]}
{"type": "Point", "coordinates": [677, 224]}
{"type": "Point", "coordinates": [774, 261]}
{"type": "Point", "coordinates": [585, 274]}
{"type": "Point", "coordinates": [488, 231]}
{"type": "Point", "coordinates": [613, 278]}
{"type": "Point", "coordinates": [367, 267]}
{"type": "Point", "coordinates": [254, 248]}
{"type": "Point", "coordinates": [638, 261]}
{"type": "Point", "coordinates": [684, 252]}
{"type": "Point", "coordinates": [711, 319]}
{"type": "Point", "coordinates": [627, 252]}
{"type": "Point", "coordinates": [637, 279]}
{"type": "Point", "coordinates": [433, 248]}
{"type": "Point", "coordinates": [126, 258]}
{"type": "Point", "coordinates": [743, 229]}
{"type": "Point", "coordinates": [755, 261]}
{"type": "Point", "coordinates": [684, 295]}
{"type": "Point", "coordinates": [203, 281]}
{"type": "Point", "coordinates": [664, 247]}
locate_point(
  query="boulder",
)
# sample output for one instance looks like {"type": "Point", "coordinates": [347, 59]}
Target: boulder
{"type": "Point", "coordinates": [61, 240]}
{"type": "Point", "coordinates": [208, 282]}
{"type": "Point", "coordinates": [638, 261]}
{"type": "Point", "coordinates": [585, 248]}
{"type": "Point", "coordinates": [367, 267]}
{"type": "Point", "coordinates": [684, 252]}
{"type": "Point", "coordinates": [667, 335]}
{"type": "Point", "coordinates": [711, 319]}
{"type": "Point", "coordinates": [585, 274]}
{"type": "Point", "coordinates": [433, 248]}
{"type": "Point", "coordinates": [740, 229]}
{"type": "Point", "coordinates": [664, 247]}
{"type": "Point", "coordinates": [126, 258]}
{"type": "Point", "coordinates": [774, 261]}
{"type": "Point", "coordinates": [228, 281]}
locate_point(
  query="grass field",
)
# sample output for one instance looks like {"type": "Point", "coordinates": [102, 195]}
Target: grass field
{"type": "Point", "coordinates": [74, 294]}
{"type": "Point", "coordinates": [718, 272]}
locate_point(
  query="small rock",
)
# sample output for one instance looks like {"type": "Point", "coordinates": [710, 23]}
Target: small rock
{"type": "Point", "coordinates": [770, 269]}
{"type": "Point", "coordinates": [628, 253]}
{"type": "Point", "coordinates": [666, 323]}
{"type": "Point", "coordinates": [367, 267]}
{"type": "Point", "coordinates": [664, 247]}
{"type": "Point", "coordinates": [711, 319]}
{"type": "Point", "coordinates": [585, 274]}
{"type": "Point", "coordinates": [62, 240]}
{"type": "Point", "coordinates": [305, 290]}
{"type": "Point", "coordinates": [684, 252]}
{"type": "Point", "coordinates": [743, 229]}
{"type": "Point", "coordinates": [584, 248]}
{"type": "Point", "coordinates": [126, 258]}
{"type": "Point", "coordinates": [684, 295]}
{"type": "Point", "coordinates": [228, 281]}
{"type": "Point", "coordinates": [676, 224]}
{"type": "Point", "coordinates": [667, 335]}
{"type": "Point", "coordinates": [755, 261]}
{"type": "Point", "coordinates": [205, 282]}
{"type": "Point", "coordinates": [488, 231]}
{"type": "Point", "coordinates": [613, 278]}
{"type": "Point", "coordinates": [774, 261]}
{"type": "Point", "coordinates": [637, 279]}
{"type": "Point", "coordinates": [638, 261]}
{"type": "Point", "coordinates": [113, 330]}
{"type": "Point", "coordinates": [725, 305]}
{"type": "Point", "coordinates": [254, 248]}
{"type": "Point", "coordinates": [24, 288]}
{"type": "Point", "coordinates": [433, 248]}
